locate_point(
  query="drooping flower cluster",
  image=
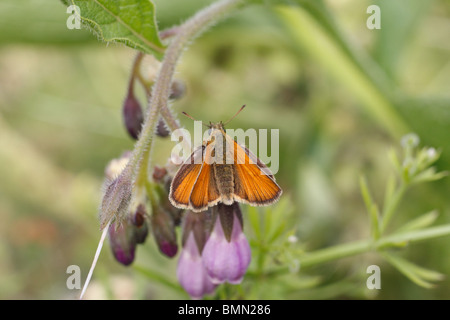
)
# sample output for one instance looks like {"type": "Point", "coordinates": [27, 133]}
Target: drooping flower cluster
{"type": "Point", "coordinates": [215, 250]}
{"type": "Point", "coordinates": [226, 254]}
{"type": "Point", "coordinates": [214, 247]}
{"type": "Point", "coordinates": [125, 237]}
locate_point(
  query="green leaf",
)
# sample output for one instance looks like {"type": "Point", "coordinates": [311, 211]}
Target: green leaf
{"type": "Point", "coordinates": [421, 222]}
{"type": "Point", "coordinates": [391, 186]}
{"type": "Point", "coordinates": [429, 174]}
{"type": "Point", "coordinates": [390, 206]}
{"type": "Point", "coordinates": [255, 222]}
{"type": "Point", "coordinates": [267, 217]}
{"type": "Point", "coordinates": [131, 22]}
{"type": "Point", "coordinates": [278, 219]}
{"type": "Point", "coordinates": [394, 160]}
{"type": "Point", "coordinates": [419, 275]}
{"type": "Point", "coordinates": [372, 208]}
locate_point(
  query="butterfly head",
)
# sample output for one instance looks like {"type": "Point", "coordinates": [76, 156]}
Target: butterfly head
{"type": "Point", "coordinates": [217, 126]}
{"type": "Point", "coordinates": [215, 129]}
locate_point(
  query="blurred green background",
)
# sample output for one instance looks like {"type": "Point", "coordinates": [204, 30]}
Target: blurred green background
{"type": "Point", "coordinates": [61, 93]}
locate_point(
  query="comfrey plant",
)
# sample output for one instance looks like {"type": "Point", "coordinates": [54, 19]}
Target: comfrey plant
{"type": "Point", "coordinates": [141, 198]}
{"type": "Point", "coordinates": [133, 190]}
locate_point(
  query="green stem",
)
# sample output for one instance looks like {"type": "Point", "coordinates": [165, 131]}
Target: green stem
{"type": "Point", "coordinates": [336, 252]}
{"type": "Point", "coordinates": [358, 247]}
{"type": "Point", "coordinates": [135, 70]}
{"type": "Point", "coordinates": [413, 236]}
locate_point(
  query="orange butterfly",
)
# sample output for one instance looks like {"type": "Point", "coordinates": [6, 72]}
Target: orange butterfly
{"type": "Point", "coordinates": [221, 170]}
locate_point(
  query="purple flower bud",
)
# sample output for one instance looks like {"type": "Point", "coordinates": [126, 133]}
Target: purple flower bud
{"type": "Point", "coordinates": [164, 231]}
{"type": "Point", "coordinates": [132, 115]}
{"type": "Point", "coordinates": [190, 270]}
{"type": "Point", "coordinates": [161, 129]}
{"type": "Point", "coordinates": [159, 173]}
{"type": "Point", "coordinates": [177, 89]}
{"type": "Point", "coordinates": [140, 224]}
{"type": "Point", "coordinates": [123, 242]}
{"type": "Point", "coordinates": [227, 255]}
{"type": "Point", "coordinates": [161, 177]}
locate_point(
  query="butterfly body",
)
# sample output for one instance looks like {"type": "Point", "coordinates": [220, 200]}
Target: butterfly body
{"type": "Point", "coordinates": [221, 170]}
{"type": "Point", "coordinates": [225, 182]}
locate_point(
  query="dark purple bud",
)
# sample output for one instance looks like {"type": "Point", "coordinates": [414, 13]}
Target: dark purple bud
{"type": "Point", "coordinates": [132, 115]}
{"type": "Point", "coordinates": [177, 90]}
{"type": "Point", "coordinates": [159, 173]}
{"type": "Point", "coordinates": [123, 242]}
{"type": "Point", "coordinates": [175, 213]}
{"type": "Point", "coordinates": [161, 177]}
{"type": "Point", "coordinates": [140, 224]}
{"type": "Point", "coordinates": [164, 231]}
{"type": "Point", "coordinates": [227, 255]}
{"type": "Point", "coordinates": [161, 129]}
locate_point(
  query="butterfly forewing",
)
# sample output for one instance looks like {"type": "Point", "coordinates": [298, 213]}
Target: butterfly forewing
{"type": "Point", "coordinates": [205, 192]}
{"type": "Point", "coordinates": [254, 183]}
{"type": "Point", "coordinates": [184, 181]}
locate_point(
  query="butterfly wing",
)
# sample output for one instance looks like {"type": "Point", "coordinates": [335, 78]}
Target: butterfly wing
{"type": "Point", "coordinates": [205, 193]}
{"type": "Point", "coordinates": [254, 184]}
{"type": "Point", "coordinates": [184, 180]}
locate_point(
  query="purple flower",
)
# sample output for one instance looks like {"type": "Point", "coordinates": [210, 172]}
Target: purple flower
{"type": "Point", "coordinates": [190, 270]}
{"type": "Point", "coordinates": [227, 254]}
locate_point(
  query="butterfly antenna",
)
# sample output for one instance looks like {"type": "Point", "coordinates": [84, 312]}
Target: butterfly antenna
{"type": "Point", "coordinates": [190, 117]}
{"type": "Point", "coordinates": [235, 115]}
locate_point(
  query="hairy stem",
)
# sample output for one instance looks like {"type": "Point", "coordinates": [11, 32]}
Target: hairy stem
{"type": "Point", "coordinates": [161, 89]}
{"type": "Point", "coordinates": [135, 70]}
{"type": "Point", "coordinates": [169, 32]}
